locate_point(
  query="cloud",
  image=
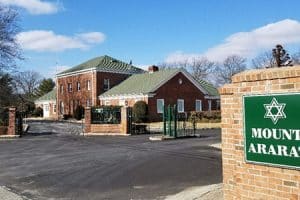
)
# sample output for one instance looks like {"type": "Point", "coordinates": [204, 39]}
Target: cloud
{"type": "Point", "coordinates": [42, 40]}
{"type": "Point", "coordinates": [248, 44]}
{"type": "Point", "coordinates": [35, 7]}
{"type": "Point", "coordinates": [92, 37]}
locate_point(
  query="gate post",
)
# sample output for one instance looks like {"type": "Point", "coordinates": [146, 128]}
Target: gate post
{"type": "Point", "coordinates": [175, 119]}
{"type": "Point", "coordinates": [164, 120]}
{"type": "Point", "coordinates": [88, 119]}
{"type": "Point", "coordinates": [254, 165]}
{"type": "Point", "coordinates": [12, 121]}
{"type": "Point", "coordinates": [126, 120]}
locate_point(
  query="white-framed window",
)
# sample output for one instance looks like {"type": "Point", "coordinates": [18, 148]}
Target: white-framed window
{"type": "Point", "coordinates": [88, 84]}
{"type": "Point", "coordinates": [46, 106]}
{"type": "Point", "coordinates": [88, 102]}
{"type": "Point", "coordinates": [78, 86]}
{"type": "Point", "coordinates": [180, 105]}
{"type": "Point", "coordinates": [106, 85]}
{"type": "Point", "coordinates": [160, 105]}
{"type": "Point", "coordinates": [107, 103]}
{"type": "Point", "coordinates": [61, 107]}
{"type": "Point", "coordinates": [209, 105]}
{"type": "Point", "coordinates": [70, 87]}
{"type": "Point", "coordinates": [198, 105]}
{"type": "Point", "coordinates": [54, 108]}
{"type": "Point", "coordinates": [61, 88]}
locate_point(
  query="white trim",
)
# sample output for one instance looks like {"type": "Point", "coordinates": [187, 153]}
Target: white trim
{"type": "Point", "coordinates": [92, 69]}
{"type": "Point", "coordinates": [209, 105]}
{"type": "Point", "coordinates": [44, 101]}
{"type": "Point", "coordinates": [188, 76]}
{"type": "Point", "coordinates": [163, 102]}
{"type": "Point", "coordinates": [180, 100]}
{"type": "Point", "coordinates": [84, 71]}
{"type": "Point", "coordinates": [78, 84]}
{"type": "Point", "coordinates": [198, 100]}
{"type": "Point", "coordinates": [212, 97]}
{"type": "Point", "coordinates": [88, 85]}
{"type": "Point", "coordinates": [126, 96]}
{"type": "Point", "coordinates": [54, 106]}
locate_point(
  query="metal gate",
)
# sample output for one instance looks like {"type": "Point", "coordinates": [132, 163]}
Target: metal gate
{"type": "Point", "coordinates": [177, 124]}
{"type": "Point", "coordinates": [19, 123]}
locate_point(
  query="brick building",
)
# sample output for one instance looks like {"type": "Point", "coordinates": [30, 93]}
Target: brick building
{"type": "Point", "coordinates": [82, 84]}
{"type": "Point", "coordinates": [158, 88]}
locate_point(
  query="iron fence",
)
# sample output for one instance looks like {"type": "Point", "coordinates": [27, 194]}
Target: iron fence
{"type": "Point", "coordinates": [106, 115]}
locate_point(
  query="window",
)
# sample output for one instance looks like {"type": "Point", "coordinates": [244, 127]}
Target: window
{"type": "Point", "coordinates": [160, 105]}
{"type": "Point", "coordinates": [54, 108]}
{"type": "Point", "coordinates": [61, 88]}
{"type": "Point", "coordinates": [106, 85]}
{"type": "Point", "coordinates": [78, 86]}
{"type": "Point", "coordinates": [69, 87]}
{"type": "Point", "coordinates": [198, 106]}
{"type": "Point", "coordinates": [209, 105]}
{"type": "Point", "coordinates": [61, 107]}
{"type": "Point", "coordinates": [88, 102]}
{"type": "Point", "coordinates": [107, 103]}
{"type": "Point", "coordinates": [46, 106]}
{"type": "Point", "coordinates": [218, 105]}
{"type": "Point", "coordinates": [88, 84]}
{"type": "Point", "coordinates": [180, 105]}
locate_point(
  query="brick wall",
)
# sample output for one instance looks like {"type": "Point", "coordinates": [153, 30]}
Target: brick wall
{"type": "Point", "coordinates": [172, 90]}
{"type": "Point", "coordinates": [72, 98]}
{"type": "Point", "coordinates": [249, 181]}
{"type": "Point", "coordinates": [106, 129]}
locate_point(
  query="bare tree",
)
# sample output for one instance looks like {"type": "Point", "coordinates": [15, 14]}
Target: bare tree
{"type": "Point", "coordinates": [264, 60]}
{"type": "Point", "coordinates": [201, 68]}
{"type": "Point", "coordinates": [230, 66]}
{"type": "Point", "coordinates": [27, 82]}
{"type": "Point", "coordinates": [296, 58]}
{"type": "Point", "coordinates": [9, 49]}
{"type": "Point", "coordinates": [281, 57]}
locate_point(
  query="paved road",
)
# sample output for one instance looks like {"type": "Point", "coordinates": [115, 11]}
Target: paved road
{"type": "Point", "coordinates": [61, 165]}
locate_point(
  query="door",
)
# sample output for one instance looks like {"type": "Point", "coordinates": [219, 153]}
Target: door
{"type": "Point", "coordinates": [46, 112]}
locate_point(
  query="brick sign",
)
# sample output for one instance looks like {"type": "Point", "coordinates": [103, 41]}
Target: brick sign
{"type": "Point", "coordinates": [272, 129]}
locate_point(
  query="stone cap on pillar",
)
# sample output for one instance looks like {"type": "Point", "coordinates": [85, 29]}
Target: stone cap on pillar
{"type": "Point", "coordinates": [266, 74]}
{"type": "Point", "coordinates": [260, 75]}
{"type": "Point", "coordinates": [12, 108]}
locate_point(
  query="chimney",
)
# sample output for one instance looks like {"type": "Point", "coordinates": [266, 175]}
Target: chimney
{"type": "Point", "coordinates": [152, 69]}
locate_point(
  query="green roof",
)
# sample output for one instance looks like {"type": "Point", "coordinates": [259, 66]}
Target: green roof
{"type": "Point", "coordinates": [50, 96]}
{"type": "Point", "coordinates": [141, 83]}
{"type": "Point", "coordinates": [105, 63]}
{"type": "Point", "coordinates": [212, 91]}
{"type": "Point", "coordinates": [146, 83]}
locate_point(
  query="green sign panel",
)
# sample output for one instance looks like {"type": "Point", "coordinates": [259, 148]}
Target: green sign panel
{"type": "Point", "coordinates": [272, 129]}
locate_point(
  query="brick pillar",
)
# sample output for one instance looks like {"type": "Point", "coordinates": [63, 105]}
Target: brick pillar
{"type": "Point", "coordinates": [124, 120]}
{"type": "Point", "coordinates": [12, 121]}
{"type": "Point", "coordinates": [88, 118]}
{"type": "Point", "coordinates": [245, 180]}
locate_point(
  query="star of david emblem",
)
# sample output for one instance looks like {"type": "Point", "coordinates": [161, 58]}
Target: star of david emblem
{"type": "Point", "coordinates": [275, 111]}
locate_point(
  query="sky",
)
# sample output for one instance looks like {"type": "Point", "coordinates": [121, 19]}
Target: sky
{"type": "Point", "coordinates": [58, 34]}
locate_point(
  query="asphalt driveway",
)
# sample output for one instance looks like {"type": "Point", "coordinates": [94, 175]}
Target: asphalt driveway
{"type": "Point", "coordinates": [53, 164]}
